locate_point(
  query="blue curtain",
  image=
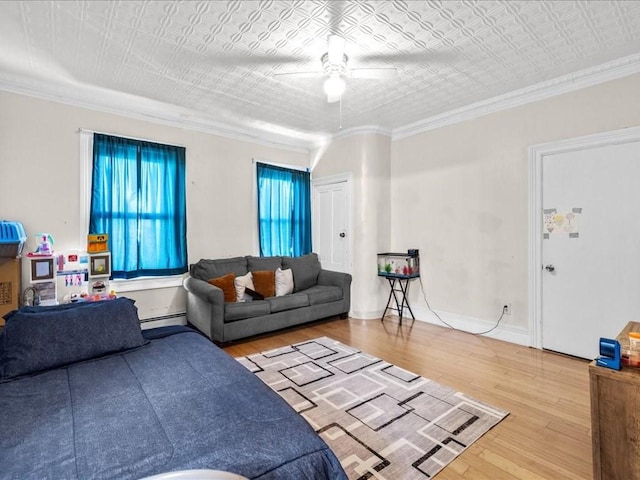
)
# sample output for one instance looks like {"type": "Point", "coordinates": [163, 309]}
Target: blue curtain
{"type": "Point", "coordinates": [284, 211]}
{"type": "Point", "coordinates": [138, 198]}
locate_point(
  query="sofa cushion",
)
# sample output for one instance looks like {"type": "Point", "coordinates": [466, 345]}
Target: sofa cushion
{"type": "Point", "coordinates": [319, 294]}
{"type": "Point", "coordinates": [305, 270]}
{"type": "Point", "coordinates": [241, 283]}
{"type": "Point", "coordinates": [242, 310]}
{"type": "Point", "coordinates": [284, 281]}
{"type": "Point", "coordinates": [288, 302]}
{"type": "Point", "coordinates": [206, 268]}
{"type": "Point", "coordinates": [226, 284]}
{"type": "Point", "coordinates": [263, 263]}
{"type": "Point", "coordinates": [264, 282]}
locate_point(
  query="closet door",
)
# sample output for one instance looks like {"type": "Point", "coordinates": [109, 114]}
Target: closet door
{"type": "Point", "coordinates": [331, 228]}
{"type": "Point", "coordinates": [591, 246]}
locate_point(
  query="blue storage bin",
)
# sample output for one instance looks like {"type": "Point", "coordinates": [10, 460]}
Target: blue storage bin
{"type": "Point", "coordinates": [12, 239]}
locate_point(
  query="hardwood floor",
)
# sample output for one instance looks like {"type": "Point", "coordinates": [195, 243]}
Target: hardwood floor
{"type": "Point", "coordinates": [547, 433]}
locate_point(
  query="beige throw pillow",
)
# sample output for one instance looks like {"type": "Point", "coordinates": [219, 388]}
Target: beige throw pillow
{"type": "Point", "coordinates": [284, 282]}
{"type": "Point", "coordinates": [241, 283]}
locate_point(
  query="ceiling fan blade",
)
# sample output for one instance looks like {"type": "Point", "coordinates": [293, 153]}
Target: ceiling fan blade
{"type": "Point", "coordinates": [335, 49]}
{"type": "Point", "coordinates": [299, 74]}
{"type": "Point", "coordinates": [386, 73]}
{"type": "Point", "coordinates": [427, 56]}
{"type": "Point", "coordinates": [333, 98]}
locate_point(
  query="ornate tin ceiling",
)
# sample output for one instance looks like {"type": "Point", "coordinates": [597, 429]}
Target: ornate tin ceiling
{"type": "Point", "coordinates": [215, 63]}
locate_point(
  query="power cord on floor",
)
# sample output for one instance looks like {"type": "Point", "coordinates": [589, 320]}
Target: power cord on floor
{"type": "Point", "coordinates": [424, 296]}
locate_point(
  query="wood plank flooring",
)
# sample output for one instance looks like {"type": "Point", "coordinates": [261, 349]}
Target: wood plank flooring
{"type": "Point", "coordinates": [547, 434]}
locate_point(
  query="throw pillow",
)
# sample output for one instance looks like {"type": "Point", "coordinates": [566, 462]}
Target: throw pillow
{"type": "Point", "coordinates": [225, 283]}
{"type": "Point", "coordinates": [284, 282]}
{"type": "Point", "coordinates": [242, 282]}
{"type": "Point", "coordinates": [265, 282]}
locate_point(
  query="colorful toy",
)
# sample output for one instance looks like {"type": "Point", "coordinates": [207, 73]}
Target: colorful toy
{"type": "Point", "coordinates": [97, 243]}
{"type": "Point", "coordinates": [45, 244]}
{"type": "Point", "coordinates": [610, 355]}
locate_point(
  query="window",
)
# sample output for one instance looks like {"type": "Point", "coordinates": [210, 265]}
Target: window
{"type": "Point", "coordinates": [138, 198]}
{"type": "Point", "coordinates": [284, 210]}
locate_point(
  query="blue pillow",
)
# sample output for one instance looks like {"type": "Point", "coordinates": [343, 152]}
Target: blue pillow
{"type": "Point", "coordinates": [52, 308]}
{"type": "Point", "coordinates": [36, 339]}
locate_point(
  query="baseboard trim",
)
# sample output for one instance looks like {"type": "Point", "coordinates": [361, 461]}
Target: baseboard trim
{"type": "Point", "coordinates": [164, 320]}
{"type": "Point", "coordinates": [507, 333]}
{"type": "Point", "coordinates": [368, 315]}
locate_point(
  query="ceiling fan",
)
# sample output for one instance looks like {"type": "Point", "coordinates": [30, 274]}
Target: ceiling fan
{"type": "Point", "coordinates": [335, 68]}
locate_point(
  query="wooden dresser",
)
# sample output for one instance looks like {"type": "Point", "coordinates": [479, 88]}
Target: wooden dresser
{"type": "Point", "coordinates": [615, 418]}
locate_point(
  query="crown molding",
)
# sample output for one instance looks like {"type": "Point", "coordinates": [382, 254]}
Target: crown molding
{"type": "Point", "coordinates": [588, 77]}
{"type": "Point", "coordinates": [140, 108]}
{"type": "Point", "coordinates": [350, 132]}
{"type": "Point", "coordinates": [363, 130]}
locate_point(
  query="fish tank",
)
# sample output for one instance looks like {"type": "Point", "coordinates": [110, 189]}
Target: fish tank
{"type": "Point", "coordinates": [399, 265]}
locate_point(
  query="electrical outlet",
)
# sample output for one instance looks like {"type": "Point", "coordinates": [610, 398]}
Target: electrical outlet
{"type": "Point", "coordinates": [506, 309]}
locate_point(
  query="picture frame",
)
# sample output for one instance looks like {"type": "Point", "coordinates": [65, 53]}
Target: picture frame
{"type": "Point", "coordinates": [100, 265]}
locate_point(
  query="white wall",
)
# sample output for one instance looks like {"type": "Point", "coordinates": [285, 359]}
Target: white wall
{"type": "Point", "coordinates": [39, 181]}
{"type": "Point", "coordinates": [366, 156]}
{"type": "Point", "coordinates": [460, 195]}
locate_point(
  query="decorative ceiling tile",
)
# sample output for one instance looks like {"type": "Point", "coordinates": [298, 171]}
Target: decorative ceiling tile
{"type": "Point", "coordinates": [224, 60]}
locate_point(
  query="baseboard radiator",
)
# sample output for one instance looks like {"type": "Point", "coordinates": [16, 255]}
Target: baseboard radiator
{"type": "Point", "coordinates": [179, 318]}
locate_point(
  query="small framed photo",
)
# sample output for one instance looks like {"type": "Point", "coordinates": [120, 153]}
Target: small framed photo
{"type": "Point", "coordinates": [100, 265]}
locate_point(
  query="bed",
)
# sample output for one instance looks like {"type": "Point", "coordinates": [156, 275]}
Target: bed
{"type": "Point", "coordinates": [85, 394]}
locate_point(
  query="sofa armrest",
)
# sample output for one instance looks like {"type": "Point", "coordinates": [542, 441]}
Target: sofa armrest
{"type": "Point", "coordinates": [338, 279]}
{"type": "Point", "coordinates": [205, 307]}
{"type": "Point", "coordinates": [204, 290]}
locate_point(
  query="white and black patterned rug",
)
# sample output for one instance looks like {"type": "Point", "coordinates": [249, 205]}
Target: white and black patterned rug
{"type": "Point", "coordinates": [375, 416]}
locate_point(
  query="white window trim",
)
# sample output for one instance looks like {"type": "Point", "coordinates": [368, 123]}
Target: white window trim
{"type": "Point", "coordinates": [119, 285]}
{"type": "Point", "coordinates": [282, 165]}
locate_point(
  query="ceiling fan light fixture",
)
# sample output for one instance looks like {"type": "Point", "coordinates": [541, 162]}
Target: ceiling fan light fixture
{"type": "Point", "coordinates": [334, 86]}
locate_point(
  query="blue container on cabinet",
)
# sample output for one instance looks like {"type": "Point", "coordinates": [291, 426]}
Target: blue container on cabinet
{"type": "Point", "coordinates": [12, 239]}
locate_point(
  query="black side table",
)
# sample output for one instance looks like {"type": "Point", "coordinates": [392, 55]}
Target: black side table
{"type": "Point", "coordinates": [399, 291]}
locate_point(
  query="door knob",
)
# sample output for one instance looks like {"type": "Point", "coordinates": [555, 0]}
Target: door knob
{"type": "Point", "coordinates": [549, 268]}
{"type": "Point", "coordinates": [342, 234]}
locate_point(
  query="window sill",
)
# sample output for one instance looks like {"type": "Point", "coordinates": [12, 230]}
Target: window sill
{"type": "Point", "coordinates": [145, 283]}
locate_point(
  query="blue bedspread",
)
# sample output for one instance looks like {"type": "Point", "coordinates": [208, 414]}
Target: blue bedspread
{"type": "Point", "coordinates": [177, 403]}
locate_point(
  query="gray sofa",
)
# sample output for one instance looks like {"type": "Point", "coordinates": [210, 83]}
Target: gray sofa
{"type": "Point", "coordinates": [317, 294]}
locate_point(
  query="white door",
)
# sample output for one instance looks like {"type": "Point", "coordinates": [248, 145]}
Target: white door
{"type": "Point", "coordinates": [331, 213]}
{"type": "Point", "coordinates": [590, 246]}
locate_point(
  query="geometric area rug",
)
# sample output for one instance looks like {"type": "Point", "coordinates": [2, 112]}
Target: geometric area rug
{"type": "Point", "coordinates": [381, 421]}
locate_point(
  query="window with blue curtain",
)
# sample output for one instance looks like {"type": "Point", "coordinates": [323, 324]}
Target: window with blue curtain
{"type": "Point", "coordinates": [284, 210]}
{"type": "Point", "coordinates": [138, 197]}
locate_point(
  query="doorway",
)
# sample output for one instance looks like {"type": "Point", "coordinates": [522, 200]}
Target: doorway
{"type": "Point", "coordinates": [331, 224]}
{"type": "Point", "coordinates": [584, 256]}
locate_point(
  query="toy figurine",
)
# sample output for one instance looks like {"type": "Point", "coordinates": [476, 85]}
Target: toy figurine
{"type": "Point", "coordinates": [45, 245]}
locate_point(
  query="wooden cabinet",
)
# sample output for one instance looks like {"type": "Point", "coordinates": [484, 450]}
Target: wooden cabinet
{"type": "Point", "coordinates": [615, 419]}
